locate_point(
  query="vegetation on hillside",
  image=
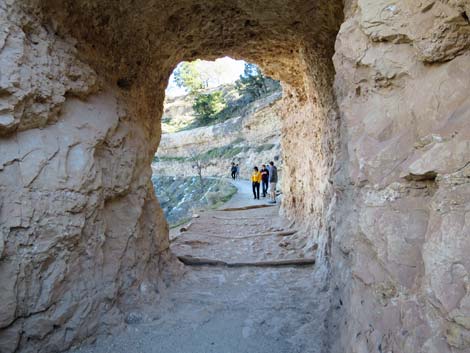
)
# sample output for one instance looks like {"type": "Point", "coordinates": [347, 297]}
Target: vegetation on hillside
{"type": "Point", "coordinates": [215, 106]}
{"type": "Point", "coordinates": [187, 75]}
{"type": "Point", "coordinates": [252, 84]}
{"type": "Point", "coordinates": [207, 106]}
{"type": "Point", "coordinates": [224, 152]}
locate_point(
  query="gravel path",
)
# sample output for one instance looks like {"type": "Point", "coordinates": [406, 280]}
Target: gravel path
{"type": "Point", "coordinates": [244, 195]}
{"type": "Point", "coordinates": [233, 310]}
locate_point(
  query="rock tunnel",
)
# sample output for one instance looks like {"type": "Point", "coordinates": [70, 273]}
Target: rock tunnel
{"type": "Point", "coordinates": [375, 139]}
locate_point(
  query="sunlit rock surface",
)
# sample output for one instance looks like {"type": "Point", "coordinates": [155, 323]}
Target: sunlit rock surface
{"type": "Point", "coordinates": [250, 139]}
{"type": "Point", "coordinates": [403, 230]}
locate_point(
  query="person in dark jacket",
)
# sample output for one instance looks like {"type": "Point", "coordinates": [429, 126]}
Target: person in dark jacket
{"type": "Point", "coordinates": [233, 171]}
{"type": "Point", "coordinates": [265, 179]}
{"type": "Point", "coordinates": [272, 182]}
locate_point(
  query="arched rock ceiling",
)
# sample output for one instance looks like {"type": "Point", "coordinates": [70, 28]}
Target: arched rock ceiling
{"type": "Point", "coordinates": [135, 39]}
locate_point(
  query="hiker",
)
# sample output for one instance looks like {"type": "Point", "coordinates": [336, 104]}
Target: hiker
{"type": "Point", "coordinates": [237, 174]}
{"type": "Point", "coordinates": [233, 170]}
{"type": "Point", "coordinates": [255, 180]}
{"type": "Point", "coordinates": [272, 182]}
{"type": "Point", "coordinates": [264, 179]}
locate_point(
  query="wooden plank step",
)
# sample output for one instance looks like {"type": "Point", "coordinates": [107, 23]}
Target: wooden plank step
{"type": "Point", "coordinates": [201, 261]}
{"type": "Point", "coordinates": [283, 233]}
{"type": "Point", "coordinates": [245, 208]}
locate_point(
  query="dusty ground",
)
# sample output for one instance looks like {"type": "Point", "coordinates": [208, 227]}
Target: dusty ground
{"type": "Point", "coordinates": [225, 310]}
{"type": "Point", "coordinates": [244, 195]}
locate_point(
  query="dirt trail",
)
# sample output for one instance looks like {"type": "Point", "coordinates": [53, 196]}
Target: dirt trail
{"type": "Point", "coordinates": [234, 310]}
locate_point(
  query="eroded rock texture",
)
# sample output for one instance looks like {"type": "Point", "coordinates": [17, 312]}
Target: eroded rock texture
{"type": "Point", "coordinates": [77, 209]}
{"type": "Point", "coordinates": [404, 197]}
{"type": "Point", "coordinates": [377, 166]}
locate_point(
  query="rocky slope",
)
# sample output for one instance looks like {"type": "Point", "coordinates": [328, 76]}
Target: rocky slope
{"type": "Point", "coordinates": [250, 139]}
{"type": "Point", "coordinates": [180, 197]}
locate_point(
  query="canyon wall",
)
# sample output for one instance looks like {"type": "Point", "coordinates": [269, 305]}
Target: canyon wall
{"type": "Point", "coordinates": [402, 188]}
{"type": "Point", "coordinates": [78, 241]}
{"type": "Point", "coordinates": [250, 140]}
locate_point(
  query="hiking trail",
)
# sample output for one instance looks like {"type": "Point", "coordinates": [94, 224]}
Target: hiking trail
{"type": "Point", "coordinates": [252, 289]}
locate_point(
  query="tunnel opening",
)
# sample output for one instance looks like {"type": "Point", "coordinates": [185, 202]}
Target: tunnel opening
{"type": "Point", "coordinates": [220, 121]}
{"type": "Point", "coordinates": [225, 155]}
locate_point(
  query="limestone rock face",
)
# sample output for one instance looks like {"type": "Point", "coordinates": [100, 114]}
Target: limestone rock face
{"type": "Point", "coordinates": [250, 140]}
{"type": "Point", "coordinates": [375, 147]}
{"type": "Point", "coordinates": [437, 30]}
{"type": "Point", "coordinates": [402, 183]}
{"type": "Point", "coordinates": [76, 225]}
{"type": "Point", "coordinates": [38, 71]}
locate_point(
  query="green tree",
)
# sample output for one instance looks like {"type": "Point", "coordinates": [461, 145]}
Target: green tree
{"type": "Point", "coordinates": [207, 106]}
{"type": "Point", "coordinates": [188, 76]}
{"type": "Point", "coordinates": [253, 84]}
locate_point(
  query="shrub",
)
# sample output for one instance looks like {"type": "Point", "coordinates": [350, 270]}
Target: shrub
{"type": "Point", "coordinates": [238, 140]}
{"type": "Point", "coordinates": [265, 147]}
{"type": "Point", "coordinates": [227, 151]}
{"type": "Point", "coordinates": [169, 159]}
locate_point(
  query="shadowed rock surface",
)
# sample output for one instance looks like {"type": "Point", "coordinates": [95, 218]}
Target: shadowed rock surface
{"type": "Point", "coordinates": [212, 310]}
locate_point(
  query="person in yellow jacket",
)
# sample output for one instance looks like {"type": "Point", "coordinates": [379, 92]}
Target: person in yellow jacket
{"type": "Point", "coordinates": [255, 182]}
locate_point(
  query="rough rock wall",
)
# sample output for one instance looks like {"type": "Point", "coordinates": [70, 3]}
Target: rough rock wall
{"type": "Point", "coordinates": [77, 209]}
{"type": "Point", "coordinates": [310, 135]}
{"type": "Point", "coordinates": [403, 186]}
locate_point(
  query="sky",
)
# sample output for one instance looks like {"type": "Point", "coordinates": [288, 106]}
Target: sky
{"type": "Point", "coordinates": [221, 71]}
